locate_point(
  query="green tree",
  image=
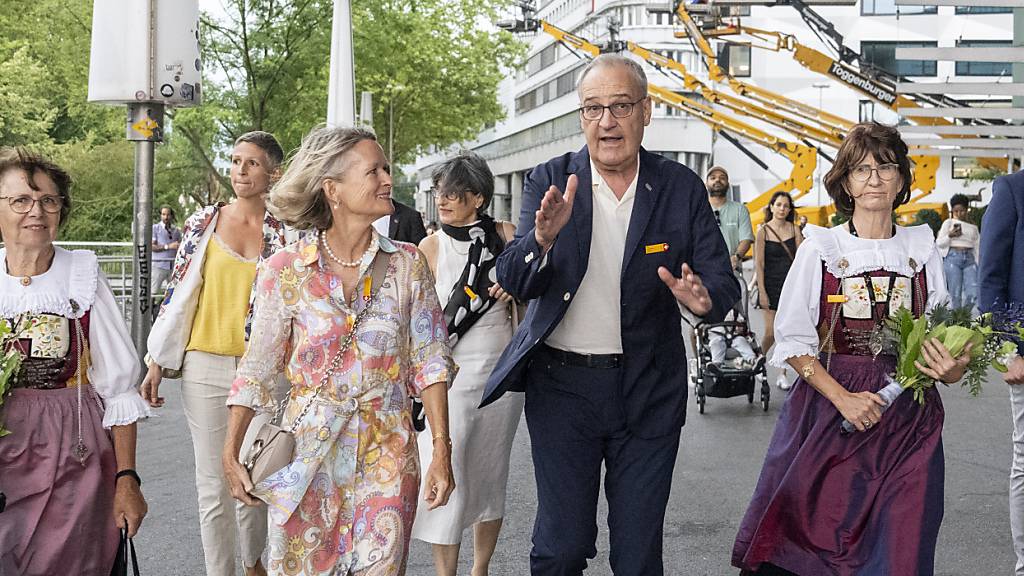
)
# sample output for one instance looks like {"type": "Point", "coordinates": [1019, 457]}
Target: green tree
{"type": "Point", "coordinates": [433, 72]}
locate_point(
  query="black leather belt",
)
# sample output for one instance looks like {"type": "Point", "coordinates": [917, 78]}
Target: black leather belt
{"type": "Point", "coordinates": [566, 358]}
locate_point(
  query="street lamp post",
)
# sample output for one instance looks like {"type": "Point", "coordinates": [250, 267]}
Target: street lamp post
{"type": "Point", "coordinates": [821, 86]}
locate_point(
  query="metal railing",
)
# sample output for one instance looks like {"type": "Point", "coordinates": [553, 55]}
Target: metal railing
{"type": "Point", "coordinates": [115, 260]}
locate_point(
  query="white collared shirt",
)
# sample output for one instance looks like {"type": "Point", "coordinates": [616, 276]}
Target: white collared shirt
{"type": "Point", "coordinates": [592, 324]}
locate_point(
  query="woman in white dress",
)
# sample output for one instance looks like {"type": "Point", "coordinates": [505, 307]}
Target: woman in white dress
{"type": "Point", "coordinates": [462, 255]}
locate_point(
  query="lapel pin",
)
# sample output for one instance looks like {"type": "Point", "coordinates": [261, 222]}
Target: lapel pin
{"type": "Point", "coordinates": [655, 248]}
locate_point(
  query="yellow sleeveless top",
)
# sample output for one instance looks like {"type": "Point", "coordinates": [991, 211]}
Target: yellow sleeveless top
{"type": "Point", "coordinates": [219, 324]}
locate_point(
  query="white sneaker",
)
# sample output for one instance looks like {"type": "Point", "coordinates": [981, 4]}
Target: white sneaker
{"type": "Point", "coordinates": [783, 381]}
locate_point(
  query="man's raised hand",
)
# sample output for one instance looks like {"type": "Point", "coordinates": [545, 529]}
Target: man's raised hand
{"type": "Point", "coordinates": [687, 289]}
{"type": "Point", "coordinates": [555, 209]}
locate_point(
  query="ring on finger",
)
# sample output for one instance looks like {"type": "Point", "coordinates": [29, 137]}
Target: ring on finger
{"type": "Point", "coordinates": [867, 423]}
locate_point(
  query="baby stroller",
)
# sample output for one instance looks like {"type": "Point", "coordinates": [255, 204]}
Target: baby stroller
{"type": "Point", "coordinates": [739, 368]}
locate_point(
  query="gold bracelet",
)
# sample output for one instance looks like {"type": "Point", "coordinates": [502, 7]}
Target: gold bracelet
{"type": "Point", "coordinates": [443, 436]}
{"type": "Point", "coordinates": [807, 370]}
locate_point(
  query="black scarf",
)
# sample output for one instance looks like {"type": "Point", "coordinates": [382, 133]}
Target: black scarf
{"type": "Point", "coordinates": [462, 311]}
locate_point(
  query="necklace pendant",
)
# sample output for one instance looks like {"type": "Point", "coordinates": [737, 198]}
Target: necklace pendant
{"type": "Point", "coordinates": [877, 341]}
{"type": "Point", "coordinates": [80, 452]}
{"type": "Point", "coordinates": [26, 280]}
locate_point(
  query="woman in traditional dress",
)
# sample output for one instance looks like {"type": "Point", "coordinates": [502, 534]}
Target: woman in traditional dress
{"type": "Point", "coordinates": [774, 250]}
{"type": "Point", "coordinates": [67, 467]}
{"type": "Point", "coordinates": [201, 331]}
{"type": "Point", "coordinates": [345, 505]}
{"type": "Point", "coordinates": [870, 502]}
{"type": "Point", "coordinates": [462, 255]}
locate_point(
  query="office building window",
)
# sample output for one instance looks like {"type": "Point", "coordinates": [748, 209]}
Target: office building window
{"type": "Point", "coordinates": [984, 10]}
{"type": "Point", "coordinates": [967, 167]}
{"type": "Point", "coordinates": [983, 68]}
{"type": "Point", "coordinates": [889, 8]}
{"type": "Point", "coordinates": [883, 55]}
{"type": "Point", "coordinates": [735, 59]}
{"type": "Point", "coordinates": [873, 111]}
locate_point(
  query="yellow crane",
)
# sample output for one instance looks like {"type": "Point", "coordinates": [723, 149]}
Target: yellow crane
{"type": "Point", "coordinates": [925, 166]}
{"type": "Point", "coordinates": [802, 157]}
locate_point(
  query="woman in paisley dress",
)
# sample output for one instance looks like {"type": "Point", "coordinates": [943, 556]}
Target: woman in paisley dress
{"type": "Point", "coordinates": [67, 467]}
{"type": "Point", "coordinates": [869, 502]}
{"type": "Point", "coordinates": [346, 504]}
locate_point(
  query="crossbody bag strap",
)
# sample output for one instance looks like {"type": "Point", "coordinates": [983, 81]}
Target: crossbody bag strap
{"type": "Point", "coordinates": [378, 272]}
{"type": "Point", "coordinates": [781, 241]}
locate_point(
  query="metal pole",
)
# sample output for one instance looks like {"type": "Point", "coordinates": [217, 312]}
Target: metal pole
{"type": "Point", "coordinates": [142, 230]}
{"type": "Point", "coordinates": [341, 93]}
{"type": "Point", "coordinates": [145, 128]}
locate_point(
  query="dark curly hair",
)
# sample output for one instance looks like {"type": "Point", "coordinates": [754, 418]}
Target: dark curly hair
{"type": "Point", "coordinates": [884, 144]}
{"type": "Point", "coordinates": [959, 200]}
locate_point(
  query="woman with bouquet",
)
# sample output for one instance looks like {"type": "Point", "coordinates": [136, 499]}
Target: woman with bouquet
{"type": "Point", "coordinates": [868, 502]}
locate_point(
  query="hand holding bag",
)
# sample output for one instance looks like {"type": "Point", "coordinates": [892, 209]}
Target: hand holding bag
{"type": "Point", "coordinates": [124, 548]}
{"type": "Point", "coordinates": [274, 446]}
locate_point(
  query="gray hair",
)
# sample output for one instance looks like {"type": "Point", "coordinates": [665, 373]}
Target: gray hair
{"type": "Point", "coordinates": [298, 199]}
{"type": "Point", "coordinates": [609, 60]}
{"type": "Point", "coordinates": [466, 172]}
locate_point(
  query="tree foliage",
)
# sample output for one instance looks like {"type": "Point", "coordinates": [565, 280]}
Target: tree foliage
{"type": "Point", "coordinates": [433, 67]}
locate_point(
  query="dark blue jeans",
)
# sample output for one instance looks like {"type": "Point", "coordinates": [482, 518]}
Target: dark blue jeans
{"type": "Point", "coordinates": [961, 277]}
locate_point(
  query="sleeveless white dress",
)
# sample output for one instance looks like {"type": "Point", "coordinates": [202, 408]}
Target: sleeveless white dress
{"type": "Point", "coordinates": [481, 438]}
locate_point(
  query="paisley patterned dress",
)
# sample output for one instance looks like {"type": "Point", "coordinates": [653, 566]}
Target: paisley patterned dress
{"type": "Point", "coordinates": [347, 503]}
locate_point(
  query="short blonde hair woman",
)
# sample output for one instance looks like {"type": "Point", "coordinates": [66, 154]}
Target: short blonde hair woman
{"type": "Point", "coordinates": [347, 506]}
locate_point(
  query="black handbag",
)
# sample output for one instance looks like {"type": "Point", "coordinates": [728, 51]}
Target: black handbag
{"type": "Point", "coordinates": [126, 547]}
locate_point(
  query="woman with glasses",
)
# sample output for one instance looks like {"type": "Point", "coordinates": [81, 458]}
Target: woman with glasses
{"type": "Point", "coordinates": [869, 502]}
{"type": "Point", "coordinates": [462, 255]}
{"type": "Point", "coordinates": [67, 466]}
{"type": "Point", "coordinates": [774, 250]}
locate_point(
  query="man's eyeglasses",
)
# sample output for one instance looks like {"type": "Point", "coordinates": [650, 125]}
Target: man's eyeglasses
{"type": "Point", "coordinates": [24, 204]}
{"type": "Point", "coordinates": [886, 172]}
{"type": "Point", "coordinates": [618, 110]}
{"type": "Point", "coordinates": [718, 217]}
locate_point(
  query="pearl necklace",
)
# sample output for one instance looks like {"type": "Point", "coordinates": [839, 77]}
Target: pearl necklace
{"type": "Point", "coordinates": [339, 261]}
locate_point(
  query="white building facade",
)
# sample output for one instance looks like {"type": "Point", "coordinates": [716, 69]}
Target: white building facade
{"type": "Point", "coordinates": [541, 102]}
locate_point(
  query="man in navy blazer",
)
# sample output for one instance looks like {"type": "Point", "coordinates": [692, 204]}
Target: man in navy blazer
{"type": "Point", "coordinates": [1001, 283]}
{"type": "Point", "coordinates": [600, 353]}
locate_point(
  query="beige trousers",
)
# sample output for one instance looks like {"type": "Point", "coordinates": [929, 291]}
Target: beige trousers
{"type": "Point", "coordinates": [224, 523]}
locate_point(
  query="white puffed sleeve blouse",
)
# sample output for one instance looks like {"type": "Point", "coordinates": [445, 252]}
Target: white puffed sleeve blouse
{"type": "Point", "coordinates": [796, 321]}
{"type": "Point", "coordinates": [71, 287]}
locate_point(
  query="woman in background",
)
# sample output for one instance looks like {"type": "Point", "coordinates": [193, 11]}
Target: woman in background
{"type": "Point", "coordinates": [478, 312]}
{"type": "Point", "coordinates": [774, 249]}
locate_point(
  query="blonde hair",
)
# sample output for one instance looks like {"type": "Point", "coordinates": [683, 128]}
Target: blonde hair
{"type": "Point", "coordinates": [298, 197]}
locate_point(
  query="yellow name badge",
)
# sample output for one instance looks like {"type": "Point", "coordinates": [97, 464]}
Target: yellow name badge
{"type": "Point", "coordinates": [655, 248]}
{"type": "Point", "coordinates": [837, 298]}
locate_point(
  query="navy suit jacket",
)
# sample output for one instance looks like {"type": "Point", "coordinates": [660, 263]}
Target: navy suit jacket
{"type": "Point", "coordinates": [670, 207]}
{"type": "Point", "coordinates": [1001, 270]}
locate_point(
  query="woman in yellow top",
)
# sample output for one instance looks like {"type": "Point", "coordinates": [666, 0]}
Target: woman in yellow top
{"type": "Point", "coordinates": [201, 330]}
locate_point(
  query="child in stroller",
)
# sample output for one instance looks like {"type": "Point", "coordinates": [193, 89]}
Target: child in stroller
{"type": "Point", "coordinates": [728, 360]}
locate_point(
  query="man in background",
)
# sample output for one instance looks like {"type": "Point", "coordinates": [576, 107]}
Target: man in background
{"type": "Point", "coordinates": [734, 222]}
{"type": "Point", "coordinates": [166, 237]}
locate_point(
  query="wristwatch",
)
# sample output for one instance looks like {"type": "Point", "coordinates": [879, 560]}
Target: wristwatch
{"type": "Point", "coordinates": [807, 370]}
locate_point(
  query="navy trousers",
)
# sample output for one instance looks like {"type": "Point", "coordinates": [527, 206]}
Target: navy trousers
{"type": "Point", "coordinates": [576, 424]}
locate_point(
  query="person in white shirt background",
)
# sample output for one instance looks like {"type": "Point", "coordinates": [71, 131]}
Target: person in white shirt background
{"type": "Point", "coordinates": [958, 242]}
